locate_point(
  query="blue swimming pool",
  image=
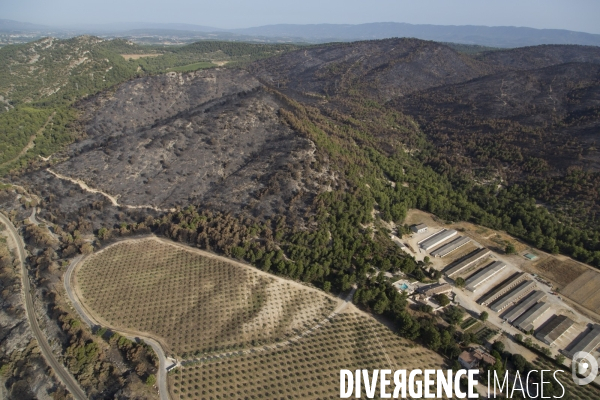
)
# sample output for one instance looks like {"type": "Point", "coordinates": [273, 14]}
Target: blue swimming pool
{"type": "Point", "coordinates": [404, 286]}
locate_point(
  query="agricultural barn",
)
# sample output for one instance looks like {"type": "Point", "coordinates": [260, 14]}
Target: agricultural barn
{"type": "Point", "coordinates": [558, 326]}
{"type": "Point", "coordinates": [468, 261]}
{"type": "Point", "coordinates": [588, 343]}
{"type": "Point", "coordinates": [526, 304]}
{"type": "Point", "coordinates": [437, 239]}
{"type": "Point", "coordinates": [450, 247]}
{"type": "Point", "coordinates": [533, 317]}
{"type": "Point", "coordinates": [515, 295]}
{"type": "Point", "coordinates": [502, 289]}
{"type": "Point", "coordinates": [419, 228]}
{"type": "Point", "coordinates": [484, 275]}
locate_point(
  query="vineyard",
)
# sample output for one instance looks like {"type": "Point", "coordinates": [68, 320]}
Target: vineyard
{"type": "Point", "coordinates": [194, 302]}
{"type": "Point", "coordinates": [305, 369]}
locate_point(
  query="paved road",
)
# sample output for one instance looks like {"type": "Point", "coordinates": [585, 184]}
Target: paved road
{"type": "Point", "coordinates": [33, 219]}
{"type": "Point", "coordinates": [66, 378]}
{"type": "Point", "coordinates": [161, 378]}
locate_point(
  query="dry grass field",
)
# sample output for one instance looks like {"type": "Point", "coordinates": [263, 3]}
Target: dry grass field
{"type": "Point", "coordinates": [307, 369]}
{"type": "Point", "coordinates": [194, 302]}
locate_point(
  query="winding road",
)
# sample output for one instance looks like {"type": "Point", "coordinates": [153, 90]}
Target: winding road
{"type": "Point", "coordinates": [161, 378]}
{"type": "Point", "coordinates": [63, 374]}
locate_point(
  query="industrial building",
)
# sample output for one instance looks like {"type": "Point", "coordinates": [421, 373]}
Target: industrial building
{"type": "Point", "coordinates": [531, 300]}
{"type": "Point", "coordinates": [419, 228]}
{"type": "Point", "coordinates": [513, 296]}
{"type": "Point", "coordinates": [588, 343]}
{"type": "Point", "coordinates": [502, 289]}
{"type": "Point", "coordinates": [437, 239]}
{"type": "Point", "coordinates": [468, 261]}
{"type": "Point", "coordinates": [558, 326]}
{"type": "Point", "coordinates": [450, 247]}
{"type": "Point", "coordinates": [533, 317]}
{"type": "Point", "coordinates": [484, 275]}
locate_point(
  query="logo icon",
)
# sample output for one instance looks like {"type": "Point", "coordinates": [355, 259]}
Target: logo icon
{"type": "Point", "coordinates": [585, 365]}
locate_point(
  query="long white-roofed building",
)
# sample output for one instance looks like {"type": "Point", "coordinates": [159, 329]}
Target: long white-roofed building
{"type": "Point", "coordinates": [437, 239]}
{"type": "Point", "coordinates": [484, 275]}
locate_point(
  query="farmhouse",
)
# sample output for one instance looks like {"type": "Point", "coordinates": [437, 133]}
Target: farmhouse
{"type": "Point", "coordinates": [484, 275]}
{"type": "Point", "coordinates": [419, 228]}
{"type": "Point", "coordinates": [526, 304]}
{"type": "Point", "coordinates": [433, 290]}
{"type": "Point", "coordinates": [472, 359]}
{"type": "Point", "coordinates": [555, 329]}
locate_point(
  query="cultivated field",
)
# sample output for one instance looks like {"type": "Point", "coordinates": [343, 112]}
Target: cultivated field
{"type": "Point", "coordinates": [306, 369]}
{"type": "Point", "coordinates": [561, 272]}
{"type": "Point", "coordinates": [192, 301]}
{"type": "Point", "coordinates": [584, 290]}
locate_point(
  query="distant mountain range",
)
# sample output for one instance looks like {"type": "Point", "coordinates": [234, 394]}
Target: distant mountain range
{"type": "Point", "coordinates": [498, 36]}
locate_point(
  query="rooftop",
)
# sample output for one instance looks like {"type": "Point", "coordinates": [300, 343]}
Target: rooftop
{"type": "Point", "coordinates": [436, 289]}
{"type": "Point", "coordinates": [438, 238]}
{"type": "Point", "coordinates": [485, 274]}
{"type": "Point", "coordinates": [467, 261]}
{"type": "Point", "coordinates": [477, 355]}
{"type": "Point", "coordinates": [527, 321]}
{"type": "Point", "coordinates": [589, 342]}
{"type": "Point", "coordinates": [526, 304]}
{"type": "Point", "coordinates": [557, 327]}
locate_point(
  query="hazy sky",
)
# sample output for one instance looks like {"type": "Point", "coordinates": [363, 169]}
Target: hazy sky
{"type": "Point", "coordinates": [577, 15]}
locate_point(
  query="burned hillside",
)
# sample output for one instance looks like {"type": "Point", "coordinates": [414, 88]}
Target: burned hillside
{"type": "Point", "coordinates": [212, 138]}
